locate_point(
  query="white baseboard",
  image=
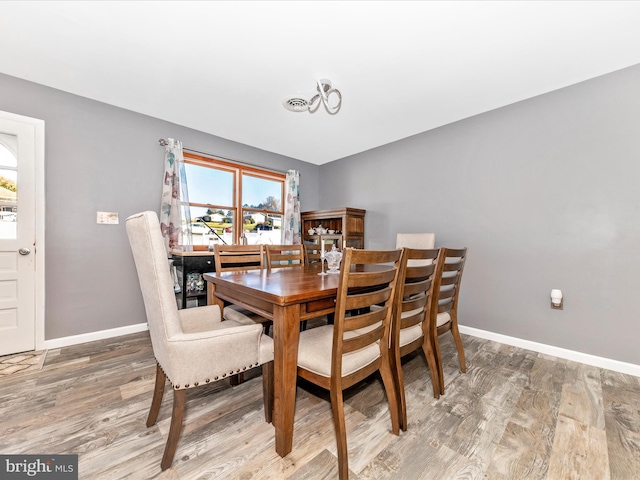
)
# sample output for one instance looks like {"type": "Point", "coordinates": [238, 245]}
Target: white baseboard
{"type": "Point", "coordinates": [609, 364]}
{"type": "Point", "coordinates": [93, 336]}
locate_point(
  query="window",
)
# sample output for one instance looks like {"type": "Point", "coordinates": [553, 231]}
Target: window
{"type": "Point", "coordinates": [233, 200]}
{"type": "Point", "coordinates": [8, 187]}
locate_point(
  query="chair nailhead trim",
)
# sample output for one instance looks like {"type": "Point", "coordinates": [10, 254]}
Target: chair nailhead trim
{"type": "Point", "coordinates": [217, 377]}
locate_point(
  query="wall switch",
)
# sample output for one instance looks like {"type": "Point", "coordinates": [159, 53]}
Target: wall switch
{"type": "Point", "coordinates": [108, 218]}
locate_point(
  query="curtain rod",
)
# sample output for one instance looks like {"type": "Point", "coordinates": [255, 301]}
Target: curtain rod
{"type": "Point", "coordinates": [164, 143]}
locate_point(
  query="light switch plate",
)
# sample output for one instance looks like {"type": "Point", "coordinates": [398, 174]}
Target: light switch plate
{"type": "Point", "coordinates": [108, 218]}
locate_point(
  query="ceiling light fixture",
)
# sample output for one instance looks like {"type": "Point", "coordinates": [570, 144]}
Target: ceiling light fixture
{"type": "Point", "coordinates": [328, 96]}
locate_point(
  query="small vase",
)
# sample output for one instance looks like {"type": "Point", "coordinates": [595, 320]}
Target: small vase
{"type": "Point", "coordinates": [333, 257]}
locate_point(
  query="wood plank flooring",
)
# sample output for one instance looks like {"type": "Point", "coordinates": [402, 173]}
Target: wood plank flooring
{"type": "Point", "coordinates": [515, 414]}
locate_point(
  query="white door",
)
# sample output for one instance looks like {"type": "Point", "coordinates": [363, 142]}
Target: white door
{"type": "Point", "coordinates": [21, 144]}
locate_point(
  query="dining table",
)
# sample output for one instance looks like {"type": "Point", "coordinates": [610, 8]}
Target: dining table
{"type": "Point", "coordinates": [287, 296]}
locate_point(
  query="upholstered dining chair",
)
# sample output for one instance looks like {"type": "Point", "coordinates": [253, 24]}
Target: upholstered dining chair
{"type": "Point", "coordinates": [337, 356]}
{"type": "Point", "coordinates": [415, 240]}
{"type": "Point", "coordinates": [228, 258]}
{"type": "Point", "coordinates": [410, 324]}
{"type": "Point", "coordinates": [192, 347]}
{"type": "Point", "coordinates": [284, 256]}
{"type": "Point", "coordinates": [444, 313]}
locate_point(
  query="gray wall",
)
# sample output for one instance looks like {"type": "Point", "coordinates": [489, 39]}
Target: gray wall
{"type": "Point", "coordinates": [100, 157]}
{"type": "Point", "coordinates": [545, 193]}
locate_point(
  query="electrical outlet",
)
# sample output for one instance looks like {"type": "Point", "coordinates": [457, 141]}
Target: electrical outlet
{"type": "Point", "coordinates": [108, 218]}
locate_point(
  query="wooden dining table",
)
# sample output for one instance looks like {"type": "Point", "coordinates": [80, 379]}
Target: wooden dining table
{"type": "Point", "coordinates": [287, 296]}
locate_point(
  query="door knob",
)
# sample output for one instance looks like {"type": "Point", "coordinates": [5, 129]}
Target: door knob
{"type": "Point", "coordinates": [24, 251]}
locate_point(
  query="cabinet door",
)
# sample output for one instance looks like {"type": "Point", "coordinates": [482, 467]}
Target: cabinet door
{"type": "Point", "coordinates": [312, 245]}
{"type": "Point", "coordinates": [355, 242]}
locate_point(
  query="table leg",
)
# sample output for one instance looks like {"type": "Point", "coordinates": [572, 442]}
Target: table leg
{"type": "Point", "coordinates": [286, 333]}
{"type": "Point", "coordinates": [211, 296]}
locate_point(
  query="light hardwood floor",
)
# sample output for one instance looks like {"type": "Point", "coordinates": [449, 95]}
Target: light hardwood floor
{"type": "Point", "coordinates": [515, 414]}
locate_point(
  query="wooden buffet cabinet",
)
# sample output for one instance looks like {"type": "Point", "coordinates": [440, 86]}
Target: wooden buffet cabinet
{"type": "Point", "coordinates": [348, 221]}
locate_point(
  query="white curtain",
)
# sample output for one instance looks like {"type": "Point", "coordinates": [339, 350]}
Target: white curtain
{"type": "Point", "coordinates": [291, 228]}
{"type": "Point", "coordinates": [175, 215]}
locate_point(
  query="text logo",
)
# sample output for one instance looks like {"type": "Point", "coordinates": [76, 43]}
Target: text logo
{"type": "Point", "coordinates": [51, 467]}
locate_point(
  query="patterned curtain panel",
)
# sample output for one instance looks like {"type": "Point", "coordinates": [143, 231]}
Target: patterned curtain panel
{"type": "Point", "coordinates": [291, 227]}
{"type": "Point", "coordinates": [175, 215]}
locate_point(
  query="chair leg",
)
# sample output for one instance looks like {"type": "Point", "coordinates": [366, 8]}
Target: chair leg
{"type": "Point", "coordinates": [396, 369]}
{"type": "Point", "coordinates": [390, 388]}
{"type": "Point", "coordinates": [456, 337]}
{"type": "Point", "coordinates": [337, 406]}
{"type": "Point", "coordinates": [433, 366]}
{"type": "Point", "coordinates": [236, 379]}
{"type": "Point", "coordinates": [174, 431]}
{"type": "Point", "coordinates": [266, 327]}
{"type": "Point", "coordinates": [158, 393]}
{"type": "Point", "coordinates": [267, 390]}
{"type": "Point", "coordinates": [436, 350]}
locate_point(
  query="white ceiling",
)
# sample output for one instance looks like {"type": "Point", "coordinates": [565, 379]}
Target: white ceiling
{"type": "Point", "coordinates": [403, 67]}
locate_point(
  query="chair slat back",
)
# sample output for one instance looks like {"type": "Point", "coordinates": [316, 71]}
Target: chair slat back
{"type": "Point", "coordinates": [312, 252]}
{"type": "Point", "coordinates": [448, 278]}
{"type": "Point", "coordinates": [367, 279]}
{"type": "Point", "coordinates": [238, 257]}
{"type": "Point", "coordinates": [415, 290]}
{"type": "Point", "coordinates": [284, 256]}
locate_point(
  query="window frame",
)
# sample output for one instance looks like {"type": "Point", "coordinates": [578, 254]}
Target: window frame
{"type": "Point", "coordinates": [238, 170]}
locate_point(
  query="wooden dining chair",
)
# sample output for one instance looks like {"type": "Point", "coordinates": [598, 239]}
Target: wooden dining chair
{"type": "Point", "coordinates": [444, 310]}
{"type": "Point", "coordinates": [410, 324]}
{"type": "Point", "coordinates": [238, 257]}
{"type": "Point", "coordinates": [229, 258]}
{"type": "Point", "coordinates": [337, 356]}
{"type": "Point", "coordinates": [193, 346]}
{"type": "Point", "coordinates": [312, 252]}
{"type": "Point", "coordinates": [284, 256]}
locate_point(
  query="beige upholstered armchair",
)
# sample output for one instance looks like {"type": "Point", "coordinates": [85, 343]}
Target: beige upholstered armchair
{"type": "Point", "coordinates": [194, 346]}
